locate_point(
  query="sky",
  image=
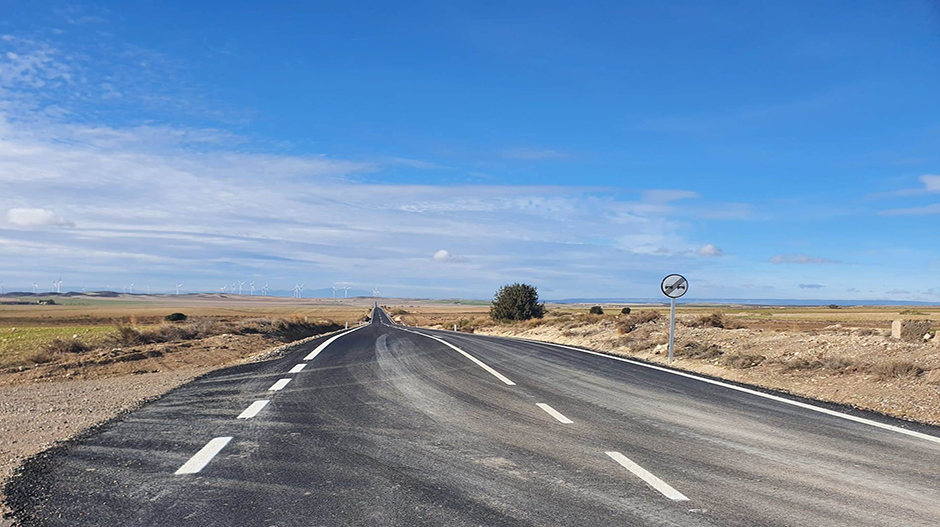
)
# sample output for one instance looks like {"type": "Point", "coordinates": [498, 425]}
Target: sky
{"type": "Point", "coordinates": [441, 149]}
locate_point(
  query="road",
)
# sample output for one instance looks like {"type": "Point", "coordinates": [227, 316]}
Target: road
{"type": "Point", "coordinates": [388, 425]}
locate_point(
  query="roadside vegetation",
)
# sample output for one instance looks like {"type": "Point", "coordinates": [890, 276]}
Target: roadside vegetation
{"type": "Point", "coordinates": [516, 302]}
{"type": "Point", "coordinates": [26, 347]}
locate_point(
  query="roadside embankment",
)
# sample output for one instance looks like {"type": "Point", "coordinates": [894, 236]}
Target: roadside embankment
{"type": "Point", "coordinates": [859, 367]}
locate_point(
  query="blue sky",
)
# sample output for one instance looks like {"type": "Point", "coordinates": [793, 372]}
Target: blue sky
{"type": "Point", "coordinates": [764, 149]}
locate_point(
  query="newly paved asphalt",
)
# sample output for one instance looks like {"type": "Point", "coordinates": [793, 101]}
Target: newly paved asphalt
{"type": "Point", "coordinates": [389, 426]}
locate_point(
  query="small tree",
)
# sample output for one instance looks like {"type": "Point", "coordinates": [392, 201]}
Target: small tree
{"type": "Point", "coordinates": [597, 310]}
{"type": "Point", "coordinates": [625, 311]}
{"type": "Point", "coordinates": [175, 317]}
{"type": "Point", "coordinates": [516, 302]}
{"type": "Point", "coordinates": [833, 306]}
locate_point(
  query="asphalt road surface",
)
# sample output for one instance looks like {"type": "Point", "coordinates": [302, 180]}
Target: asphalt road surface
{"type": "Point", "coordinates": [385, 425]}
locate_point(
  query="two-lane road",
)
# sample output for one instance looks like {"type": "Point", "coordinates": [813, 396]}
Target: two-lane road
{"type": "Point", "coordinates": [387, 425]}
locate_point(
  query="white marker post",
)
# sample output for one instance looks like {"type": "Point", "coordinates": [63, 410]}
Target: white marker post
{"type": "Point", "coordinates": [673, 286]}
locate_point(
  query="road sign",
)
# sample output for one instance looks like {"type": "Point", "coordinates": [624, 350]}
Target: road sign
{"type": "Point", "coordinates": [673, 286]}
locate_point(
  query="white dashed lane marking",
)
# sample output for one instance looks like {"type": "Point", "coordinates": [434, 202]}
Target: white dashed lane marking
{"type": "Point", "coordinates": [279, 385]}
{"type": "Point", "coordinates": [664, 488]}
{"type": "Point", "coordinates": [298, 368]}
{"type": "Point", "coordinates": [554, 413]}
{"type": "Point", "coordinates": [204, 456]}
{"type": "Point", "coordinates": [253, 409]}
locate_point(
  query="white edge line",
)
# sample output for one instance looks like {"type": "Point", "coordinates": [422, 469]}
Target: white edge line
{"type": "Point", "coordinates": [298, 368]}
{"type": "Point", "coordinates": [204, 456]}
{"type": "Point", "coordinates": [554, 413]}
{"type": "Point", "coordinates": [253, 409]}
{"type": "Point", "coordinates": [862, 420]}
{"type": "Point", "coordinates": [477, 361]}
{"type": "Point", "coordinates": [313, 354]}
{"type": "Point", "coordinates": [664, 488]}
{"type": "Point", "coordinates": [279, 385]}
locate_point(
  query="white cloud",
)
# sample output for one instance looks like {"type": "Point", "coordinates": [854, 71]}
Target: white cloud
{"type": "Point", "coordinates": [709, 250]}
{"type": "Point", "coordinates": [931, 182]}
{"type": "Point", "coordinates": [800, 259]}
{"type": "Point", "coordinates": [24, 217]}
{"type": "Point", "coordinates": [442, 255]}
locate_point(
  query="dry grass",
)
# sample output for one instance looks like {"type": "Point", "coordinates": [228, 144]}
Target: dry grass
{"type": "Point", "coordinates": [629, 323]}
{"type": "Point", "coordinates": [697, 350]}
{"type": "Point", "coordinates": [741, 361]}
{"type": "Point", "coordinates": [715, 320]}
{"type": "Point", "coordinates": [896, 369]}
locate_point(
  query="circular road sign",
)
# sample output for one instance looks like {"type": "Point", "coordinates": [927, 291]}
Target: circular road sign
{"type": "Point", "coordinates": [675, 285]}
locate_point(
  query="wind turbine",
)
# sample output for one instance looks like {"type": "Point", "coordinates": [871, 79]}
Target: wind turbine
{"type": "Point", "coordinates": [334, 291]}
{"type": "Point", "coordinates": [35, 287]}
{"type": "Point", "coordinates": [1, 287]}
{"type": "Point", "coordinates": [252, 288]}
{"type": "Point", "coordinates": [132, 288]}
{"type": "Point", "coordinates": [375, 291]}
{"type": "Point", "coordinates": [240, 284]}
{"type": "Point", "coordinates": [264, 290]}
{"type": "Point", "coordinates": [223, 288]}
{"type": "Point", "coordinates": [178, 286]}
{"type": "Point", "coordinates": [346, 291]}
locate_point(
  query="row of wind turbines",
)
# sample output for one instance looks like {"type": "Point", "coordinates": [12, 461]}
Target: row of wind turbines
{"type": "Point", "coordinates": [299, 291]}
{"type": "Point", "coordinates": [238, 284]}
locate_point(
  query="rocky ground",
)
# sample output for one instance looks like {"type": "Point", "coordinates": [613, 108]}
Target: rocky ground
{"type": "Point", "coordinates": [864, 368]}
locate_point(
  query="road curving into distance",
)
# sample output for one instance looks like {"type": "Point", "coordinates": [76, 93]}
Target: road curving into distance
{"type": "Point", "coordinates": [389, 425]}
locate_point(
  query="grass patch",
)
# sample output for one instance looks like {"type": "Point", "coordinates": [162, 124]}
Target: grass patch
{"type": "Point", "coordinates": [25, 345]}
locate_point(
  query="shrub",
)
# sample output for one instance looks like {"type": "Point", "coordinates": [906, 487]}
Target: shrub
{"type": "Point", "coordinates": [625, 311]}
{"type": "Point", "coordinates": [175, 317]}
{"type": "Point", "coordinates": [596, 310]}
{"type": "Point", "coordinates": [516, 302]}
{"type": "Point", "coordinates": [715, 320]}
{"type": "Point", "coordinates": [742, 360]}
{"type": "Point", "coordinates": [631, 322]}
{"type": "Point", "coordinates": [833, 306]}
{"type": "Point", "coordinates": [897, 369]}
{"type": "Point", "coordinates": [39, 357]}
{"type": "Point", "coordinates": [697, 350]}
{"type": "Point", "coordinates": [56, 346]}
{"type": "Point", "coordinates": [398, 311]}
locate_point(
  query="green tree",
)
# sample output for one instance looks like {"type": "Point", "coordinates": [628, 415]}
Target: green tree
{"type": "Point", "coordinates": [625, 311]}
{"type": "Point", "coordinates": [516, 302]}
{"type": "Point", "coordinates": [597, 310]}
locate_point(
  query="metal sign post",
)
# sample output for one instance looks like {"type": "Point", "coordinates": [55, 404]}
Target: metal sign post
{"type": "Point", "coordinates": [673, 286]}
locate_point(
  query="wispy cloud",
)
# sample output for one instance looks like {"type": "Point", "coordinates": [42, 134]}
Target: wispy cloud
{"type": "Point", "coordinates": [811, 286]}
{"type": "Point", "coordinates": [710, 251]}
{"type": "Point", "coordinates": [802, 259]}
{"type": "Point", "coordinates": [31, 218]}
{"type": "Point", "coordinates": [913, 211]}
